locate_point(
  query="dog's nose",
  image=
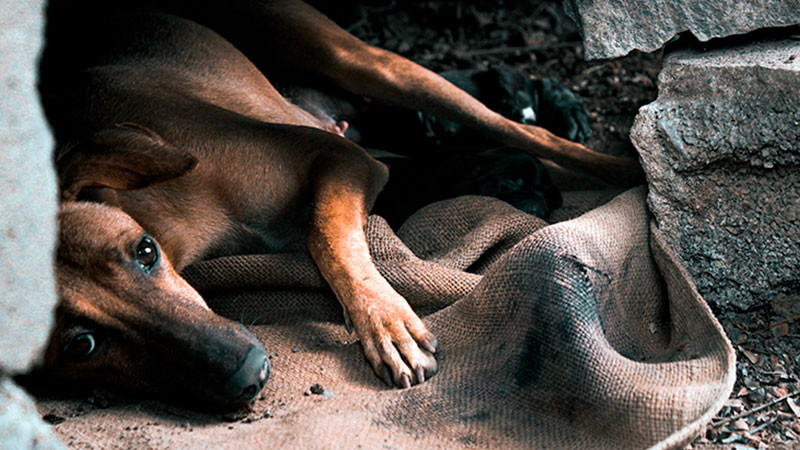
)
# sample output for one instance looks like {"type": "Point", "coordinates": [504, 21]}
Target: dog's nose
{"type": "Point", "coordinates": [251, 377]}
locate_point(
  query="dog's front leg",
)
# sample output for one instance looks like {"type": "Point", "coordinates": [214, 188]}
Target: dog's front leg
{"type": "Point", "coordinates": [395, 341]}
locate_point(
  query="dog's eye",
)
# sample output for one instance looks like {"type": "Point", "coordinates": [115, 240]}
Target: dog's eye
{"type": "Point", "coordinates": [81, 345]}
{"type": "Point", "coordinates": [147, 254]}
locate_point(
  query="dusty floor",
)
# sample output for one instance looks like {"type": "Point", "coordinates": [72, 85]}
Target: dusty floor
{"type": "Point", "coordinates": [537, 37]}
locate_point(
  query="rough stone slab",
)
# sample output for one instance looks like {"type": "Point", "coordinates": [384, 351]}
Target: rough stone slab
{"type": "Point", "coordinates": [613, 28]}
{"type": "Point", "coordinates": [27, 192]}
{"type": "Point", "coordinates": [20, 425]}
{"type": "Point", "coordinates": [721, 149]}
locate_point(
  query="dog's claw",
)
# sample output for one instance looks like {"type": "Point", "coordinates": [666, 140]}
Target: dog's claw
{"type": "Point", "coordinates": [430, 343]}
{"type": "Point", "coordinates": [405, 381]}
{"type": "Point", "coordinates": [392, 339]}
{"type": "Point", "coordinates": [348, 324]}
{"type": "Point", "coordinates": [386, 375]}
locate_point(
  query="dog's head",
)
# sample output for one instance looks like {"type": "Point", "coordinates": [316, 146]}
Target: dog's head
{"type": "Point", "coordinates": [125, 317]}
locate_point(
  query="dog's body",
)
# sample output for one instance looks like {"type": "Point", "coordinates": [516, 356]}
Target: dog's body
{"type": "Point", "coordinates": [160, 117]}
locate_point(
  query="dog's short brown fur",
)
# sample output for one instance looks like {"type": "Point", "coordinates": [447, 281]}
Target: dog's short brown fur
{"type": "Point", "coordinates": [177, 130]}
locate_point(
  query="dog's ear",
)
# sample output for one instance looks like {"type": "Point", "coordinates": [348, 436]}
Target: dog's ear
{"type": "Point", "coordinates": [127, 156]}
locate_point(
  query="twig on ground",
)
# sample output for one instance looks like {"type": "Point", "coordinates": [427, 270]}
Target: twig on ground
{"type": "Point", "coordinates": [357, 24]}
{"type": "Point", "coordinates": [754, 410]}
{"type": "Point", "coordinates": [520, 49]}
{"type": "Point", "coordinates": [762, 426]}
{"type": "Point", "coordinates": [784, 321]}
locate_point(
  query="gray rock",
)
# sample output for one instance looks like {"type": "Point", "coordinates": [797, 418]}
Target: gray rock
{"type": "Point", "coordinates": [612, 28]}
{"type": "Point", "coordinates": [20, 425]}
{"type": "Point", "coordinates": [27, 192]}
{"type": "Point", "coordinates": [721, 149]}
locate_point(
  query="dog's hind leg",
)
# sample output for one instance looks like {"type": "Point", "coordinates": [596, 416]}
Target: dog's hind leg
{"type": "Point", "coordinates": [293, 37]}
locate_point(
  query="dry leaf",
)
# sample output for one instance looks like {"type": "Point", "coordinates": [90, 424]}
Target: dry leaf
{"type": "Point", "coordinates": [738, 337]}
{"type": "Point", "coordinates": [734, 403]}
{"type": "Point", "coordinates": [752, 357]}
{"type": "Point", "coordinates": [739, 425]}
{"type": "Point", "coordinates": [793, 406]}
{"type": "Point", "coordinates": [743, 392]}
{"type": "Point", "coordinates": [779, 329]}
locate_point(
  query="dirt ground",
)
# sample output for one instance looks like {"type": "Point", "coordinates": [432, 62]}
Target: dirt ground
{"type": "Point", "coordinates": [537, 37]}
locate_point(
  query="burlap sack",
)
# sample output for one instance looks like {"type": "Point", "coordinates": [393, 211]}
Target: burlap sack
{"type": "Point", "coordinates": [583, 334]}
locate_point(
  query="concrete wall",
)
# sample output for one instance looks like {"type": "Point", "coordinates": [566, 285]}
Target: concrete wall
{"type": "Point", "coordinates": [27, 222]}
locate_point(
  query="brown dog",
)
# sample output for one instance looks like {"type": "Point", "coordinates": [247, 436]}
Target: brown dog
{"type": "Point", "coordinates": [166, 116]}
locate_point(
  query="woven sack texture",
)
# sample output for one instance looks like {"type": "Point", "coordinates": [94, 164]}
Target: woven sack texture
{"type": "Point", "coordinates": [587, 333]}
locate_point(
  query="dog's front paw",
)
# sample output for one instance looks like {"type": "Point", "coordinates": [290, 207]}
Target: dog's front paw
{"type": "Point", "coordinates": [396, 343]}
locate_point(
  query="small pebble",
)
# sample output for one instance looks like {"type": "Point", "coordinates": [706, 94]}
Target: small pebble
{"type": "Point", "coordinates": [53, 419]}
